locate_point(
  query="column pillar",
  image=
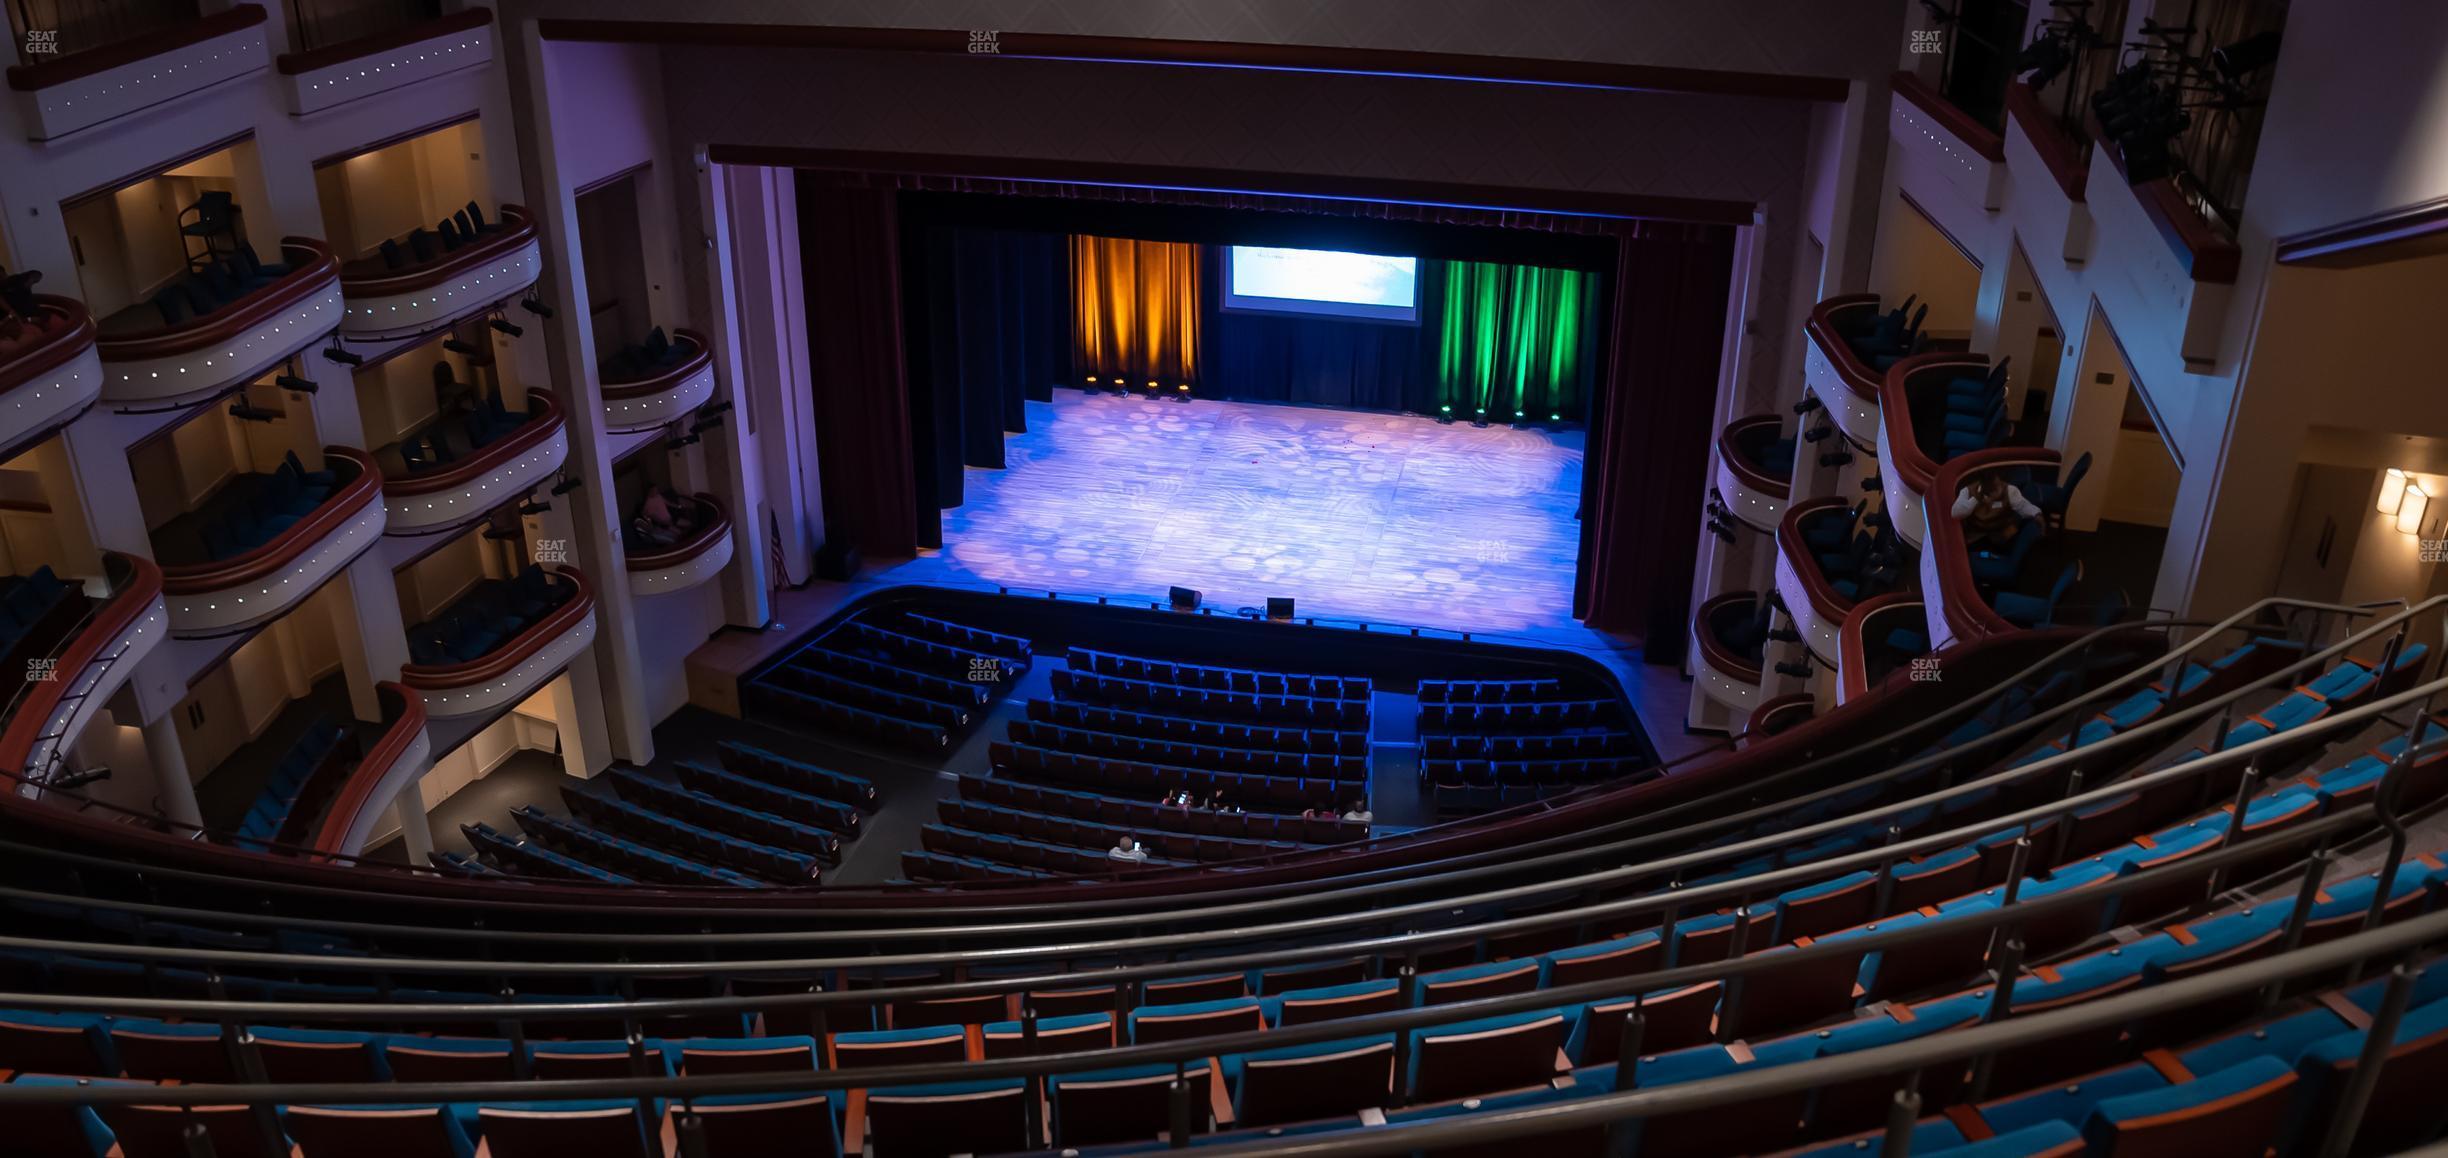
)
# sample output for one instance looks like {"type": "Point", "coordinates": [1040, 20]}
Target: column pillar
{"type": "Point", "coordinates": [727, 452]}
{"type": "Point", "coordinates": [416, 830]}
{"type": "Point", "coordinates": [176, 792]}
{"type": "Point", "coordinates": [367, 627]}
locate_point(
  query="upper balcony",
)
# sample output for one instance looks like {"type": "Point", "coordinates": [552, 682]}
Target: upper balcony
{"type": "Point", "coordinates": [458, 467]}
{"type": "Point", "coordinates": [219, 327]}
{"type": "Point", "coordinates": [134, 57]}
{"type": "Point", "coordinates": [1755, 463]}
{"type": "Point", "coordinates": [2009, 571]}
{"type": "Point", "coordinates": [263, 542]}
{"type": "Point", "coordinates": [430, 279]}
{"type": "Point", "coordinates": [2182, 260]}
{"type": "Point", "coordinates": [1729, 642]}
{"type": "Point", "coordinates": [1830, 557]}
{"type": "Point", "coordinates": [90, 642]}
{"type": "Point", "coordinates": [396, 756]}
{"type": "Point", "coordinates": [2049, 168]}
{"type": "Point", "coordinates": [656, 383]}
{"type": "Point", "coordinates": [691, 545]}
{"type": "Point", "coordinates": [1933, 407]}
{"type": "Point", "coordinates": [347, 61]}
{"type": "Point", "coordinates": [1881, 637]}
{"type": "Point", "coordinates": [1848, 338]}
{"type": "Point", "coordinates": [49, 370]}
{"type": "Point", "coordinates": [492, 647]}
{"type": "Point", "coordinates": [1948, 161]}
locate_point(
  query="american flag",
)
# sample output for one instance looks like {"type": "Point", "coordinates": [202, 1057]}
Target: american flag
{"type": "Point", "coordinates": [777, 566]}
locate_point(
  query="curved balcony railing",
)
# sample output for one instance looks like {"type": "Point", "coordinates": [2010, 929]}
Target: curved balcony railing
{"type": "Point", "coordinates": [1847, 386]}
{"type": "Point", "coordinates": [1725, 673]}
{"type": "Point", "coordinates": [46, 716]}
{"type": "Point", "coordinates": [391, 763]}
{"type": "Point", "coordinates": [1958, 609]}
{"type": "Point", "coordinates": [49, 373]}
{"type": "Point", "coordinates": [433, 501]}
{"type": "Point", "coordinates": [1780, 714]}
{"type": "Point", "coordinates": [507, 674]}
{"type": "Point", "coordinates": [203, 356]}
{"type": "Point", "coordinates": [641, 403]}
{"type": "Point", "coordinates": [2067, 159]}
{"type": "Point", "coordinates": [1912, 397]}
{"type": "Point", "coordinates": [1755, 470]}
{"type": "Point", "coordinates": [1880, 638]}
{"type": "Point", "coordinates": [76, 90]}
{"type": "Point", "coordinates": [261, 584]}
{"type": "Point", "coordinates": [428, 296]}
{"type": "Point", "coordinates": [689, 562]}
{"type": "Point", "coordinates": [335, 74]}
{"type": "Point", "coordinates": [1817, 608]}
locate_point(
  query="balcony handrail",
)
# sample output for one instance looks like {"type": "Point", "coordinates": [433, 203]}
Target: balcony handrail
{"type": "Point", "coordinates": [1979, 138]}
{"type": "Point", "coordinates": [2207, 252]}
{"type": "Point", "coordinates": [1967, 614]}
{"type": "Point", "coordinates": [1728, 452]}
{"type": "Point", "coordinates": [518, 229]}
{"type": "Point", "coordinates": [513, 651]}
{"type": "Point", "coordinates": [2065, 158]}
{"type": "Point", "coordinates": [1852, 643]}
{"type": "Point", "coordinates": [345, 502]}
{"type": "Point", "coordinates": [311, 60]}
{"type": "Point", "coordinates": [103, 58]}
{"type": "Point", "coordinates": [707, 534]}
{"type": "Point", "coordinates": [661, 380]}
{"type": "Point", "coordinates": [1717, 654]}
{"type": "Point", "coordinates": [25, 724]}
{"type": "Point", "coordinates": [310, 265]}
{"type": "Point", "coordinates": [403, 719]}
{"type": "Point", "coordinates": [55, 350]}
{"type": "Point", "coordinates": [1829, 603]}
{"type": "Point", "coordinates": [543, 419]}
{"type": "Point", "coordinates": [1857, 375]}
{"type": "Point", "coordinates": [1898, 437]}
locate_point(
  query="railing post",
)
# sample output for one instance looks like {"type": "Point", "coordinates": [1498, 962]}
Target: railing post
{"type": "Point", "coordinates": [690, 1130]}
{"type": "Point", "coordinates": [2018, 859]}
{"type": "Point", "coordinates": [1885, 890]}
{"type": "Point", "coordinates": [2001, 1000]}
{"type": "Point", "coordinates": [2377, 1041]}
{"type": "Point", "coordinates": [1902, 1114]}
{"type": "Point", "coordinates": [198, 1142]}
{"type": "Point", "coordinates": [515, 1029]}
{"type": "Point", "coordinates": [1179, 1095]}
{"type": "Point", "coordinates": [1729, 1022]}
{"type": "Point", "coordinates": [1408, 976]}
{"type": "Point", "coordinates": [1628, 1046]}
{"type": "Point", "coordinates": [2065, 819]}
{"type": "Point", "coordinates": [1032, 1104]}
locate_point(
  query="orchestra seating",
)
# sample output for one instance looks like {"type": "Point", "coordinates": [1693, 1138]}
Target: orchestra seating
{"type": "Point", "coordinates": [897, 680]}
{"type": "Point", "coordinates": [1486, 744]}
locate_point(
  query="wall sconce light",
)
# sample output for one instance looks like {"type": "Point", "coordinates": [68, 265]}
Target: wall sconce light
{"type": "Point", "coordinates": [2392, 490]}
{"type": "Point", "coordinates": [2413, 508]}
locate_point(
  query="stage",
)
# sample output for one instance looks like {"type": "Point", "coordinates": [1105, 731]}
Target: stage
{"type": "Point", "coordinates": [1389, 518]}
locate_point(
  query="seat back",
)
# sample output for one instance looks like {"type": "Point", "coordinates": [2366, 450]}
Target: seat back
{"type": "Point", "coordinates": [160, 1131]}
{"type": "Point", "coordinates": [748, 1056]}
{"type": "Point", "coordinates": [1127, 1105]}
{"type": "Point", "coordinates": [2236, 1111]}
{"type": "Point", "coordinates": [961, 1118]}
{"type": "Point", "coordinates": [1670, 1020]}
{"type": "Point", "coordinates": [900, 1047]}
{"type": "Point", "coordinates": [69, 1130]}
{"type": "Point", "coordinates": [1485, 1057]}
{"type": "Point", "coordinates": [1304, 1083]}
{"type": "Point", "coordinates": [165, 1052]}
{"type": "Point", "coordinates": [1193, 989]}
{"type": "Point", "coordinates": [761, 1124]}
{"type": "Point", "coordinates": [1005, 1039]}
{"type": "Point", "coordinates": [53, 1043]}
{"type": "Point", "coordinates": [1207, 1019]}
{"type": "Point", "coordinates": [548, 1130]}
{"type": "Point", "coordinates": [974, 1010]}
{"type": "Point", "coordinates": [1495, 980]}
{"type": "Point", "coordinates": [449, 1060]}
{"type": "Point", "coordinates": [376, 1132]}
{"type": "Point", "coordinates": [1308, 1006]}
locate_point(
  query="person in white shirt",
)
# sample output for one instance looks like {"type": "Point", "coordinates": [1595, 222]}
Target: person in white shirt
{"type": "Point", "coordinates": [1992, 512]}
{"type": "Point", "coordinates": [1359, 813]}
{"type": "Point", "coordinates": [1127, 849]}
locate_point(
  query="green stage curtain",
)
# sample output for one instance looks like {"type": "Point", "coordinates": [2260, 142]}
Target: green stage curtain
{"type": "Point", "coordinates": [1135, 306]}
{"type": "Point", "coordinates": [1511, 341]}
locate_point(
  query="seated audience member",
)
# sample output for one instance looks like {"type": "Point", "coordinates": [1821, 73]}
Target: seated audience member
{"type": "Point", "coordinates": [1359, 812]}
{"type": "Point", "coordinates": [1127, 849]}
{"type": "Point", "coordinates": [662, 519]}
{"type": "Point", "coordinates": [1992, 512]}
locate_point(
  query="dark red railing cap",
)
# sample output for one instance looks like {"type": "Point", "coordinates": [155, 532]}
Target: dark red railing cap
{"type": "Point", "coordinates": [372, 281]}
{"type": "Point", "coordinates": [404, 717]}
{"type": "Point", "coordinates": [544, 417]}
{"type": "Point", "coordinates": [708, 532]}
{"type": "Point", "coordinates": [517, 650]}
{"type": "Point", "coordinates": [101, 59]}
{"type": "Point", "coordinates": [67, 337]}
{"type": "Point", "coordinates": [33, 714]}
{"type": "Point", "coordinates": [1976, 136]}
{"type": "Point", "coordinates": [310, 266]}
{"type": "Point", "coordinates": [1900, 442]}
{"type": "Point", "coordinates": [662, 380]}
{"type": "Point", "coordinates": [1822, 329]}
{"type": "Point", "coordinates": [1968, 615]}
{"type": "Point", "coordinates": [1729, 449]}
{"type": "Point", "coordinates": [343, 504]}
{"type": "Point", "coordinates": [1718, 655]}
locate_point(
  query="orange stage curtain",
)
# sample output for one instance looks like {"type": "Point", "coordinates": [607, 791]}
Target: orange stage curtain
{"type": "Point", "coordinates": [1136, 305]}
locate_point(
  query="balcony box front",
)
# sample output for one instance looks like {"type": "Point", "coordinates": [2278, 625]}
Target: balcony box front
{"type": "Point", "coordinates": [58, 95]}
{"type": "Point", "coordinates": [666, 395]}
{"type": "Point", "coordinates": [436, 501]}
{"type": "Point", "coordinates": [428, 297]}
{"type": "Point", "coordinates": [698, 556]}
{"type": "Point", "coordinates": [243, 590]}
{"type": "Point", "coordinates": [336, 74]}
{"type": "Point", "coordinates": [513, 669]}
{"type": "Point", "coordinates": [165, 367]}
{"type": "Point", "coordinates": [49, 373]}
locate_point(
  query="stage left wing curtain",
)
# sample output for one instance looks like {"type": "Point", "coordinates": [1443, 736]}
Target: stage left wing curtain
{"type": "Point", "coordinates": [1135, 310]}
{"type": "Point", "coordinates": [1510, 341]}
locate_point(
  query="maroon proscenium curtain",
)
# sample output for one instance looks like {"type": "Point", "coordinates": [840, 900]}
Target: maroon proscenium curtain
{"type": "Point", "coordinates": [850, 259]}
{"type": "Point", "coordinates": [1649, 441]}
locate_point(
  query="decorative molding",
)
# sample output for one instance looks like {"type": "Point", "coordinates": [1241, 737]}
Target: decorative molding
{"type": "Point", "coordinates": [339, 73]}
{"type": "Point", "coordinates": [2417, 230]}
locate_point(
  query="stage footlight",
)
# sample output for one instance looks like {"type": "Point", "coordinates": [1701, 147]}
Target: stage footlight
{"type": "Point", "coordinates": [1445, 415]}
{"type": "Point", "coordinates": [1184, 599]}
{"type": "Point", "coordinates": [1279, 608]}
{"type": "Point", "coordinates": [1182, 395]}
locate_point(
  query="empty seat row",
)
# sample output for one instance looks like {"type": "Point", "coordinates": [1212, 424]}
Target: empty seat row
{"type": "Point", "coordinates": [1011, 647]}
{"type": "Point", "coordinates": [1139, 815]}
{"type": "Point", "coordinates": [1172, 699]}
{"type": "Point", "coordinates": [1281, 793]}
{"type": "Point", "coordinates": [461, 229]}
{"type": "Point", "coordinates": [649, 358]}
{"type": "Point", "coordinates": [1502, 719]}
{"type": "Point", "coordinates": [532, 858]}
{"type": "Point", "coordinates": [856, 692]}
{"type": "Point", "coordinates": [1563, 746]}
{"type": "Point", "coordinates": [1191, 730]}
{"type": "Point", "coordinates": [834, 716]}
{"type": "Point", "coordinates": [620, 817]}
{"type": "Point", "coordinates": [919, 865]}
{"type": "Point", "coordinates": [724, 816]}
{"type": "Point", "coordinates": [627, 856]}
{"type": "Point", "coordinates": [261, 506]}
{"type": "Point", "coordinates": [797, 775]}
{"type": "Point", "coordinates": [491, 614]}
{"type": "Point", "coordinates": [302, 767]}
{"type": "Point", "coordinates": [1089, 834]}
{"type": "Point", "coordinates": [859, 636]}
{"type": "Point", "coordinates": [789, 804]}
{"type": "Point", "coordinates": [1491, 691]}
{"type": "Point", "coordinates": [1226, 679]}
{"type": "Point", "coordinates": [877, 673]}
{"type": "Point", "coordinates": [1257, 760]}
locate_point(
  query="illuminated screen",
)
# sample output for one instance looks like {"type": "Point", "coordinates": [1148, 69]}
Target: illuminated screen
{"type": "Point", "coordinates": [1322, 281]}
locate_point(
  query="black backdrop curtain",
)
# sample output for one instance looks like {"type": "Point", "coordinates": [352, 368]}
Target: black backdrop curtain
{"type": "Point", "coordinates": [1642, 480]}
{"type": "Point", "coordinates": [989, 324]}
{"type": "Point", "coordinates": [851, 265]}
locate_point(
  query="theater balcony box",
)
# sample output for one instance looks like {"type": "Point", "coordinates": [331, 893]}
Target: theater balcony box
{"type": "Point", "coordinates": [1726, 668]}
{"type": "Point", "coordinates": [425, 296]}
{"type": "Point", "coordinates": [464, 490]}
{"type": "Point", "coordinates": [121, 627]}
{"type": "Point", "coordinates": [1951, 165]}
{"type": "Point", "coordinates": [666, 395]}
{"type": "Point", "coordinates": [1845, 385]}
{"type": "Point", "coordinates": [1956, 609]}
{"type": "Point", "coordinates": [1817, 608]}
{"type": "Point", "coordinates": [1755, 470]}
{"type": "Point", "coordinates": [58, 95]}
{"type": "Point", "coordinates": [1912, 402]}
{"type": "Point", "coordinates": [2179, 269]}
{"type": "Point", "coordinates": [392, 762]}
{"type": "Point", "coordinates": [1882, 636]}
{"type": "Point", "coordinates": [518, 664]}
{"type": "Point", "coordinates": [203, 355]}
{"type": "Point", "coordinates": [336, 74]}
{"type": "Point", "coordinates": [49, 373]}
{"type": "Point", "coordinates": [694, 559]}
{"type": "Point", "coordinates": [235, 592]}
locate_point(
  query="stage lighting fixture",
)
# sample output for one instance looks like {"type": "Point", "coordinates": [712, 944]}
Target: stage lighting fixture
{"type": "Point", "coordinates": [1555, 418]}
{"type": "Point", "coordinates": [502, 325]}
{"type": "Point", "coordinates": [531, 507]}
{"type": "Point", "coordinates": [566, 485]}
{"type": "Point", "coordinates": [1724, 532]}
{"type": "Point", "coordinates": [1818, 433]}
{"type": "Point", "coordinates": [1785, 635]}
{"type": "Point", "coordinates": [1800, 670]}
{"type": "Point", "coordinates": [2044, 59]}
{"type": "Point", "coordinates": [1445, 415]}
{"type": "Point", "coordinates": [334, 353]}
{"type": "Point", "coordinates": [1279, 608]}
{"type": "Point", "coordinates": [503, 534]}
{"type": "Point", "coordinates": [680, 442]}
{"type": "Point", "coordinates": [1184, 599]}
{"type": "Point", "coordinates": [245, 413]}
{"type": "Point", "coordinates": [456, 346]}
{"type": "Point", "coordinates": [293, 382]}
{"type": "Point", "coordinates": [1778, 601]}
{"type": "Point", "coordinates": [1807, 405]}
{"type": "Point", "coordinates": [1182, 395]}
{"type": "Point", "coordinates": [1836, 458]}
{"type": "Point", "coordinates": [536, 306]}
{"type": "Point", "coordinates": [66, 781]}
{"type": "Point", "coordinates": [2246, 56]}
{"type": "Point", "coordinates": [1872, 484]}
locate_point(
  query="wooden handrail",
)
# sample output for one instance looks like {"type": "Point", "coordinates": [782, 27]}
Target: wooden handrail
{"type": "Point", "coordinates": [2062, 155]}
{"type": "Point", "coordinates": [1830, 604]}
{"type": "Point", "coordinates": [404, 713]}
{"type": "Point", "coordinates": [1967, 614]}
{"type": "Point", "coordinates": [310, 265]}
{"type": "Point", "coordinates": [101, 59]}
{"type": "Point", "coordinates": [1761, 716]}
{"type": "Point", "coordinates": [1853, 658]}
{"type": "Point", "coordinates": [518, 228]}
{"type": "Point", "coordinates": [344, 503]}
{"type": "Point", "coordinates": [1897, 437]}
{"type": "Point", "coordinates": [1821, 326]}
{"type": "Point", "coordinates": [464, 20]}
{"type": "Point", "coordinates": [543, 418]}
{"type": "Point", "coordinates": [25, 726]}
{"type": "Point", "coordinates": [1976, 136]}
{"type": "Point", "coordinates": [56, 349]}
{"type": "Point", "coordinates": [695, 545]}
{"type": "Point", "coordinates": [1716, 653]}
{"type": "Point", "coordinates": [494, 663]}
{"type": "Point", "coordinates": [662, 380]}
{"type": "Point", "coordinates": [1728, 449]}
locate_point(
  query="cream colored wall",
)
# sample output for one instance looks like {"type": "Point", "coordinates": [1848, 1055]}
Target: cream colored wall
{"type": "Point", "coordinates": [2142, 488]}
{"type": "Point", "coordinates": [243, 694]}
{"type": "Point", "coordinates": [429, 584]}
{"type": "Point", "coordinates": [1914, 257]}
{"type": "Point", "coordinates": [178, 470]}
{"type": "Point", "coordinates": [389, 191]}
{"type": "Point", "coordinates": [396, 396]}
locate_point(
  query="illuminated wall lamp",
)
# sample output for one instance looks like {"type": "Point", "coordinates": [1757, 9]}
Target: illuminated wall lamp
{"type": "Point", "coordinates": [2413, 508]}
{"type": "Point", "coordinates": [2392, 491]}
